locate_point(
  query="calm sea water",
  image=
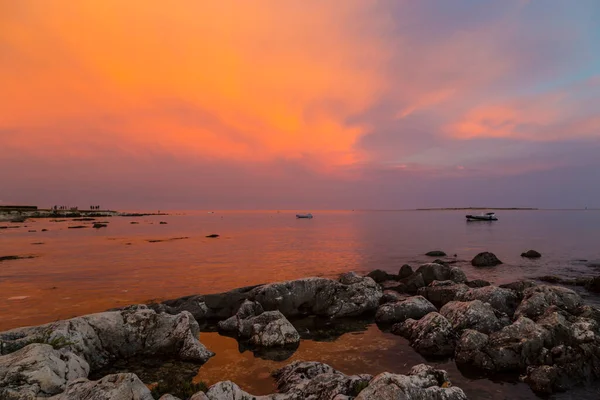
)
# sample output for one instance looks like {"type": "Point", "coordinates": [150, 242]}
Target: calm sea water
{"type": "Point", "coordinates": [79, 271]}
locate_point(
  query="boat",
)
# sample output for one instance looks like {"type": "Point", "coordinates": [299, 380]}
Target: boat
{"type": "Point", "coordinates": [309, 215]}
{"type": "Point", "coordinates": [483, 217]}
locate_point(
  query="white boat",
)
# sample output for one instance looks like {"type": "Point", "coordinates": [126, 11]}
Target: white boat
{"type": "Point", "coordinates": [483, 217]}
{"type": "Point", "coordinates": [309, 215]}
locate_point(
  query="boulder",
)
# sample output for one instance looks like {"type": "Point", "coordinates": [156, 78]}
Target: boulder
{"type": "Point", "coordinates": [319, 296]}
{"type": "Point", "coordinates": [477, 283]}
{"type": "Point", "coordinates": [503, 300]}
{"type": "Point", "coordinates": [593, 285]}
{"type": "Point", "coordinates": [531, 254]}
{"type": "Point", "coordinates": [485, 259]}
{"type": "Point", "coordinates": [227, 390]}
{"type": "Point", "coordinates": [99, 225]}
{"type": "Point", "coordinates": [539, 298]}
{"type": "Point", "coordinates": [104, 337]}
{"type": "Point", "coordinates": [113, 387]}
{"type": "Point", "coordinates": [350, 278]}
{"type": "Point", "coordinates": [314, 380]}
{"type": "Point", "coordinates": [435, 253]}
{"type": "Point", "coordinates": [38, 370]}
{"type": "Point", "coordinates": [392, 296]}
{"type": "Point", "coordinates": [519, 286]}
{"type": "Point", "coordinates": [432, 335]}
{"type": "Point", "coordinates": [422, 383]}
{"type": "Point", "coordinates": [438, 272]}
{"type": "Point", "coordinates": [414, 307]}
{"type": "Point", "coordinates": [381, 276]}
{"type": "Point", "coordinates": [441, 292]}
{"type": "Point", "coordinates": [405, 271]}
{"type": "Point", "coordinates": [262, 329]}
{"type": "Point", "coordinates": [474, 315]}
{"type": "Point", "coordinates": [412, 283]}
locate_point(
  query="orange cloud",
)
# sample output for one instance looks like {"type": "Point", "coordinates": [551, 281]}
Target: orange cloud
{"type": "Point", "coordinates": [263, 69]}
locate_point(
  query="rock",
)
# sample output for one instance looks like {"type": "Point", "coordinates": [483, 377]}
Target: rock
{"type": "Point", "coordinates": [99, 225]}
{"type": "Point", "coordinates": [413, 283]}
{"type": "Point", "coordinates": [594, 285]}
{"type": "Point", "coordinates": [414, 307]}
{"type": "Point", "coordinates": [214, 235]}
{"type": "Point", "coordinates": [104, 337]}
{"type": "Point", "coordinates": [199, 396]}
{"type": "Point", "coordinates": [477, 283]}
{"type": "Point", "coordinates": [391, 296]}
{"type": "Point", "coordinates": [519, 286]}
{"type": "Point", "coordinates": [485, 259]}
{"type": "Point", "coordinates": [113, 387]}
{"type": "Point", "coordinates": [263, 329]}
{"type": "Point", "coordinates": [422, 383]}
{"type": "Point", "coordinates": [162, 223]}
{"type": "Point", "coordinates": [503, 300]}
{"type": "Point", "coordinates": [350, 278]}
{"type": "Point", "coordinates": [170, 397]}
{"type": "Point", "coordinates": [381, 276]}
{"type": "Point", "coordinates": [438, 272]}
{"type": "Point", "coordinates": [531, 254]}
{"type": "Point", "coordinates": [396, 286]}
{"type": "Point", "coordinates": [474, 315]}
{"type": "Point", "coordinates": [314, 380]}
{"type": "Point", "coordinates": [44, 230]}
{"type": "Point", "coordinates": [441, 292]}
{"type": "Point", "coordinates": [405, 271]}
{"type": "Point", "coordinates": [319, 296]}
{"type": "Point", "coordinates": [228, 390]}
{"type": "Point", "coordinates": [31, 230]}
{"type": "Point", "coordinates": [435, 253]}
{"type": "Point", "coordinates": [432, 335]}
{"type": "Point", "coordinates": [77, 227]}
{"type": "Point", "coordinates": [539, 298]}
{"type": "Point", "coordinates": [38, 370]}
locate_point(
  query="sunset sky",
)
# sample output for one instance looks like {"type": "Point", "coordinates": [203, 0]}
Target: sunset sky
{"type": "Point", "coordinates": [300, 104]}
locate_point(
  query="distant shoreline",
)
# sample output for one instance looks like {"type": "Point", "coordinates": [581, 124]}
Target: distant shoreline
{"type": "Point", "coordinates": [477, 208]}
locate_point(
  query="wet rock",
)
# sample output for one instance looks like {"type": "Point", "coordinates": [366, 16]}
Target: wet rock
{"type": "Point", "coordinates": [438, 272]}
{"type": "Point", "coordinates": [38, 370]}
{"type": "Point", "coordinates": [350, 278]}
{"type": "Point", "coordinates": [413, 283]}
{"type": "Point", "coordinates": [263, 329]}
{"type": "Point", "coordinates": [99, 225]}
{"type": "Point", "coordinates": [77, 227]}
{"type": "Point", "coordinates": [477, 283]}
{"type": "Point", "coordinates": [381, 276]}
{"type": "Point", "coordinates": [396, 286]}
{"type": "Point", "coordinates": [104, 337]}
{"type": "Point", "coordinates": [432, 335]}
{"type": "Point", "coordinates": [422, 383]}
{"type": "Point", "coordinates": [531, 254]}
{"type": "Point", "coordinates": [7, 258]}
{"type": "Point", "coordinates": [319, 296]}
{"type": "Point", "coordinates": [441, 292]}
{"type": "Point", "coordinates": [44, 230]}
{"type": "Point", "coordinates": [539, 298]}
{"type": "Point", "coordinates": [485, 259]}
{"type": "Point", "coordinates": [436, 253]}
{"type": "Point", "coordinates": [213, 235]}
{"type": "Point", "coordinates": [503, 300]}
{"type": "Point", "coordinates": [593, 285]}
{"type": "Point", "coordinates": [114, 387]}
{"type": "Point", "coordinates": [474, 315]}
{"type": "Point", "coordinates": [405, 271]}
{"type": "Point", "coordinates": [162, 223]}
{"type": "Point", "coordinates": [414, 307]}
{"type": "Point", "coordinates": [519, 286]}
{"type": "Point", "coordinates": [392, 296]}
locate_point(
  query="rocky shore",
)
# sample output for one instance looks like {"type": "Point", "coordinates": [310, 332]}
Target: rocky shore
{"type": "Point", "coordinates": [544, 333]}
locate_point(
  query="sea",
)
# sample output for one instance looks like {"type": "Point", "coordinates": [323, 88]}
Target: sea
{"type": "Point", "coordinates": [76, 271]}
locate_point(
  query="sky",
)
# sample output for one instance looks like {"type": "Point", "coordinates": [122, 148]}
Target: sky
{"type": "Point", "coordinates": [295, 104]}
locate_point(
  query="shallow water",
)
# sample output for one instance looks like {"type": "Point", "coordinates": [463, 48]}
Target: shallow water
{"type": "Point", "coordinates": [79, 271]}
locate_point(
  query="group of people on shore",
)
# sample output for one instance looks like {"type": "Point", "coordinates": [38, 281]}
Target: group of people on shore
{"type": "Point", "coordinates": [62, 208]}
{"type": "Point", "coordinates": [94, 207]}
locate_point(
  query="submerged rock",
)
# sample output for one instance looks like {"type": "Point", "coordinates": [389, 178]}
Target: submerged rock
{"type": "Point", "coordinates": [435, 253]}
{"type": "Point", "coordinates": [432, 335]}
{"type": "Point", "coordinates": [485, 259]}
{"type": "Point", "coordinates": [414, 307]}
{"type": "Point", "coordinates": [531, 254]}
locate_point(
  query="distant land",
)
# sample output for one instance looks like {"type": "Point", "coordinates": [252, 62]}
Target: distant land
{"type": "Point", "coordinates": [475, 208]}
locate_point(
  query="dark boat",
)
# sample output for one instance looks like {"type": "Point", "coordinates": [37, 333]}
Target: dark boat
{"type": "Point", "coordinates": [483, 217]}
